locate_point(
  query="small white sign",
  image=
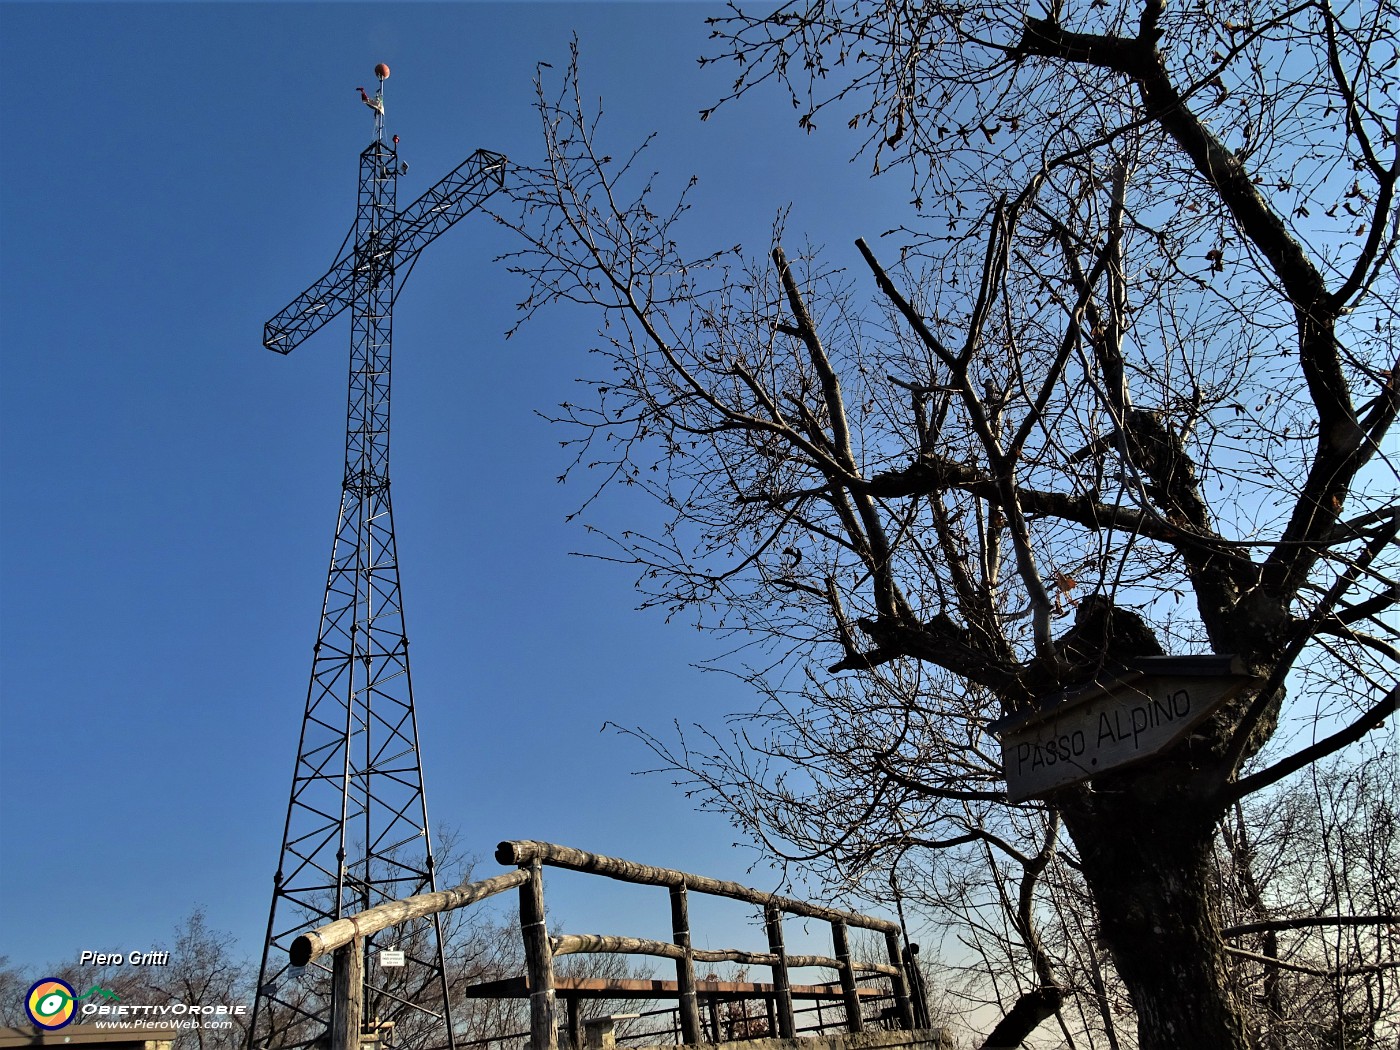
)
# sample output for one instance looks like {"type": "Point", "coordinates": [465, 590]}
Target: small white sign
{"type": "Point", "coordinates": [391, 957]}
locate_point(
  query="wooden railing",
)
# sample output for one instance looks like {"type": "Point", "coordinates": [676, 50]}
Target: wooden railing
{"type": "Point", "coordinates": [345, 939]}
{"type": "Point", "coordinates": [540, 948]}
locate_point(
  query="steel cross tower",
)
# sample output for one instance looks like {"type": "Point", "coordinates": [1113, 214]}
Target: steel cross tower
{"type": "Point", "coordinates": [356, 832]}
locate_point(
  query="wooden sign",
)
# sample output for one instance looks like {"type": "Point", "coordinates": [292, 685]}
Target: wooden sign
{"type": "Point", "coordinates": [1120, 718]}
{"type": "Point", "coordinates": [390, 957]}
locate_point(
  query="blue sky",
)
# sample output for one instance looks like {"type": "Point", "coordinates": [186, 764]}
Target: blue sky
{"type": "Point", "coordinates": [174, 174]}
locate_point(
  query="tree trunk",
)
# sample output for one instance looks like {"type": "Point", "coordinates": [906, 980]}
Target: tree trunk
{"type": "Point", "coordinates": [1149, 866]}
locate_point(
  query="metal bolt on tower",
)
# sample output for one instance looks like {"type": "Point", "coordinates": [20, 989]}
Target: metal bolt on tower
{"type": "Point", "coordinates": [356, 832]}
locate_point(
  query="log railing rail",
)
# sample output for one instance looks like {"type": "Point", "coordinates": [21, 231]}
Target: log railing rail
{"type": "Point", "coordinates": [530, 857]}
{"type": "Point", "coordinates": [311, 946]}
{"type": "Point", "coordinates": [344, 939]}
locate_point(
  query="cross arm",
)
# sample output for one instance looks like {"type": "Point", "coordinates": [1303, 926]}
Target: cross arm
{"type": "Point", "coordinates": [458, 193]}
{"type": "Point", "coordinates": [324, 300]}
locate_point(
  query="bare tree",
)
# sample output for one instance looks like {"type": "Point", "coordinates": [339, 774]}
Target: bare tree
{"type": "Point", "coordinates": [13, 986]}
{"type": "Point", "coordinates": [1124, 390]}
{"type": "Point", "coordinates": [1310, 893]}
{"type": "Point", "coordinates": [204, 969]}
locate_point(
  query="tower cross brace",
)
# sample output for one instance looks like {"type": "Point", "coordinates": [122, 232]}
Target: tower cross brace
{"type": "Point", "coordinates": [356, 831]}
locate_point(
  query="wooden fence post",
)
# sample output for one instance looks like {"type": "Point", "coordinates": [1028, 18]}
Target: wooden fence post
{"type": "Point", "coordinates": [841, 943]}
{"type": "Point", "coordinates": [575, 1018]}
{"type": "Point", "coordinates": [782, 988]}
{"type": "Point", "coordinates": [901, 986]}
{"type": "Point", "coordinates": [539, 961]}
{"type": "Point", "coordinates": [685, 968]}
{"type": "Point", "coordinates": [348, 995]}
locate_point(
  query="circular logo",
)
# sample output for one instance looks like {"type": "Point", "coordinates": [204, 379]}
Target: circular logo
{"type": "Point", "coordinates": [51, 1003]}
